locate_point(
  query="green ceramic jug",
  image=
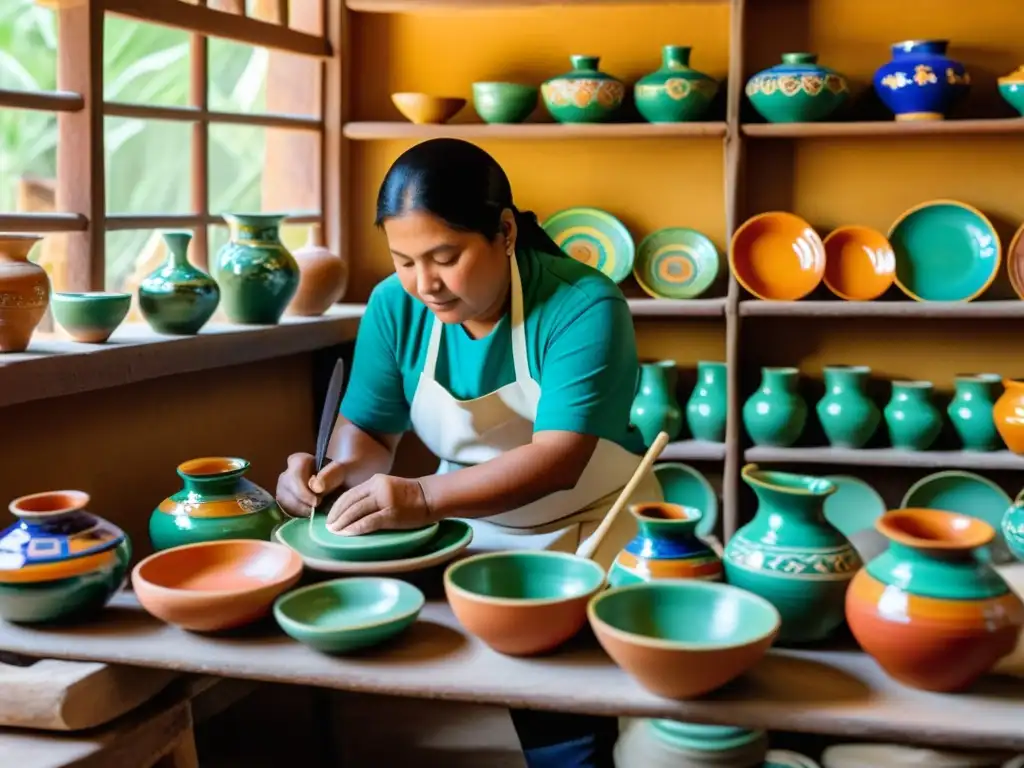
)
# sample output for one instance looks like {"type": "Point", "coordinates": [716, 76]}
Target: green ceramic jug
{"type": "Point", "coordinates": [776, 414]}
{"type": "Point", "coordinates": [675, 93]}
{"type": "Point", "coordinates": [655, 408]}
{"type": "Point", "coordinates": [791, 555]}
{"type": "Point", "coordinates": [707, 407]}
{"type": "Point", "coordinates": [847, 415]}
{"type": "Point", "coordinates": [178, 298]}
{"type": "Point", "coordinates": [914, 422]}
{"type": "Point", "coordinates": [583, 95]}
{"type": "Point", "coordinates": [970, 411]}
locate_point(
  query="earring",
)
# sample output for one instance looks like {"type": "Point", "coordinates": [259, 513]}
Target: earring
{"type": "Point", "coordinates": [510, 248]}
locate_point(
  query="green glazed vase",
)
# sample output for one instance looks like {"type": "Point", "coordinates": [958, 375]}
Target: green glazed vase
{"type": "Point", "coordinates": [847, 415]}
{"type": "Point", "coordinates": [675, 93]}
{"type": "Point", "coordinates": [970, 411]}
{"type": "Point", "coordinates": [913, 420]}
{"type": "Point", "coordinates": [791, 555]}
{"type": "Point", "coordinates": [1013, 528]}
{"type": "Point", "coordinates": [257, 275]}
{"type": "Point", "coordinates": [216, 502]}
{"type": "Point", "coordinates": [583, 95]}
{"type": "Point", "coordinates": [798, 90]}
{"type": "Point", "coordinates": [776, 414]}
{"type": "Point", "coordinates": [178, 298]}
{"type": "Point", "coordinates": [707, 407]}
{"type": "Point", "coordinates": [655, 408]}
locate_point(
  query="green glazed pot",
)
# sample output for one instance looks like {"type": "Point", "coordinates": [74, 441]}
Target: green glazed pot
{"type": "Point", "coordinates": [798, 90]}
{"type": "Point", "coordinates": [655, 408]}
{"type": "Point", "coordinates": [1013, 528]}
{"type": "Point", "coordinates": [847, 415]}
{"type": "Point", "coordinates": [707, 407]}
{"type": "Point", "coordinates": [90, 317]}
{"type": "Point", "coordinates": [675, 93]}
{"type": "Point", "coordinates": [504, 102]}
{"type": "Point", "coordinates": [1011, 88]}
{"type": "Point", "coordinates": [914, 422]}
{"type": "Point", "coordinates": [791, 555]}
{"type": "Point", "coordinates": [178, 298]}
{"type": "Point", "coordinates": [216, 502]}
{"type": "Point", "coordinates": [776, 414]}
{"type": "Point", "coordinates": [257, 275]}
{"type": "Point", "coordinates": [970, 411]}
{"type": "Point", "coordinates": [583, 95]}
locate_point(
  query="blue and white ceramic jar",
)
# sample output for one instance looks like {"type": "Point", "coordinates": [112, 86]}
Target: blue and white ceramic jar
{"type": "Point", "coordinates": [921, 82]}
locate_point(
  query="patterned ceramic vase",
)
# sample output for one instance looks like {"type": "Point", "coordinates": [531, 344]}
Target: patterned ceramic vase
{"type": "Point", "coordinates": [1008, 414]}
{"type": "Point", "coordinates": [24, 292]}
{"type": "Point", "coordinates": [583, 95]}
{"type": "Point", "coordinates": [847, 415]}
{"type": "Point", "coordinates": [217, 502]}
{"type": "Point", "coordinates": [970, 411]}
{"type": "Point", "coordinates": [655, 407]}
{"type": "Point", "coordinates": [1011, 88]}
{"type": "Point", "coordinates": [776, 414]}
{"type": "Point", "coordinates": [931, 612]}
{"type": "Point", "coordinates": [921, 82]}
{"type": "Point", "coordinates": [665, 547]}
{"type": "Point", "coordinates": [257, 275]}
{"type": "Point", "coordinates": [707, 407]}
{"type": "Point", "coordinates": [178, 298]}
{"type": "Point", "coordinates": [675, 93]}
{"type": "Point", "coordinates": [913, 420]}
{"type": "Point", "coordinates": [59, 561]}
{"type": "Point", "coordinates": [1013, 527]}
{"type": "Point", "coordinates": [791, 555]}
{"type": "Point", "coordinates": [799, 90]}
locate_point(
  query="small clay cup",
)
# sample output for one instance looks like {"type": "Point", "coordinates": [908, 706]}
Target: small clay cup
{"type": "Point", "coordinates": [90, 317]}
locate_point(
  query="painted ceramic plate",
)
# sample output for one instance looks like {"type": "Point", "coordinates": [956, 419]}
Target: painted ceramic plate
{"type": "Point", "coordinates": [854, 506]}
{"type": "Point", "coordinates": [783, 758]}
{"type": "Point", "coordinates": [676, 263]}
{"type": "Point", "coordinates": [451, 538]}
{"type": "Point", "coordinates": [1015, 262]}
{"type": "Point", "coordinates": [777, 257]}
{"type": "Point", "coordinates": [682, 484]}
{"type": "Point", "coordinates": [945, 251]}
{"type": "Point", "coordinates": [594, 237]}
{"type": "Point", "coordinates": [380, 545]}
{"type": "Point", "coordinates": [859, 263]}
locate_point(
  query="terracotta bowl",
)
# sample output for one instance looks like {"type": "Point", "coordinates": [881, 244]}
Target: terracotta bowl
{"type": "Point", "coordinates": [522, 603]}
{"type": "Point", "coordinates": [682, 639]}
{"type": "Point", "coordinates": [777, 256]}
{"type": "Point", "coordinates": [422, 108]}
{"type": "Point", "coordinates": [215, 585]}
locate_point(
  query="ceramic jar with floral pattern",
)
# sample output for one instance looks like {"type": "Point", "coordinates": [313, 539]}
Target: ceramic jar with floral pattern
{"type": "Point", "coordinates": [799, 90]}
{"type": "Point", "coordinates": [24, 292]}
{"type": "Point", "coordinates": [921, 82]}
{"type": "Point", "coordinates": [675, 93]}
{"type": "Point", "coordinates": [585, 94]}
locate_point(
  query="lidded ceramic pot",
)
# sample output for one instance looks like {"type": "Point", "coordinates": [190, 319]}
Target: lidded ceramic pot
{"type": "Point", "coordinates": [675, 93]}
{"type": "Point", "coordinates": [921, 82]}
{"type": "Point", "coordinates": [59, 561]}
{"type": "Point", "coordinates": [24, 292]}
{"type": "Point", "coordinates": [913, 420]}
{"type": "Point", "coordinates": [799, 90]}
{"type": "Point", "coordinates": [655, 407]}
{"type": "Point", "coordinates": [1008, 414]}
{"type": "Point", "coordinates": [847, 415]}
{"type": "Point", "coordinates": [178, 298]}
{"type": "Point", "coordinates": [585, 94]}
{"type": "Point", "coordinates": [707, 406]}
{"type": "Point", "coordinates": [323, 277]}
{"type": "Point", "coordinates": [970, 411]}
{"type": "Point", "coordinates": [776, 413]}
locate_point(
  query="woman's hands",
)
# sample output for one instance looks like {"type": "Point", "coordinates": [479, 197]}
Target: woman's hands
{"type": "Point", "coordinates": [383, 502]}
{"type": "Point", "coordinates": [299, 490]}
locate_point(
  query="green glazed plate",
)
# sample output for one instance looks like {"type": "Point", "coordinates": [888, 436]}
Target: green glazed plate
{"type": "Point", "coordinates": [380, 545]}
{"type": "Point", "coordinates": [452, 537]}
{"type": "Point", "coordinates": [594, 237]}
{"type": "Point", "coordinates": [682, 484]}
{"type": "Point", "coordinates": [854, 506]}
{"type": "Point", "coordinates": [676, 263]}
{"type": "Point", "coordinates": [348, 614]}
{"type": "Point", "coordinates": [945, 251]}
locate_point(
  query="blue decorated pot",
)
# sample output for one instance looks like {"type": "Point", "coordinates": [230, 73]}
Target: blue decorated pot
{"type": "Point", "coordinates": [921, 82]}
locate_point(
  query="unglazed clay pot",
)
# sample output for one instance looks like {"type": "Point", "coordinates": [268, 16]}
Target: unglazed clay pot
{"type": "Point", "coordinates": [931, 612]}
{"type": "Point", "coordinates": [583, 95]}
{"type": "Point", "coordinates": [675, 93]}
{"type": "Point", "coordinates": [323, 277]}
{"type": "Point", "coordinates": [24, 292]}
{"type": "Point", "coordinates": [1008, 413]}
{"type": "Point", "coordinates": [256, 273]}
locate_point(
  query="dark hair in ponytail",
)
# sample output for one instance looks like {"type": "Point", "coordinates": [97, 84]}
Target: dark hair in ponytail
{"type": "Point", "coordinates": [460, 184]}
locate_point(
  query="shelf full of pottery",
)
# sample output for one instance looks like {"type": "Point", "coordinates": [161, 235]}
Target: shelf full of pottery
{"type": "Point", "coordinates": [936, 251]}
{"type": "Point", "coordinates": [254, 278]}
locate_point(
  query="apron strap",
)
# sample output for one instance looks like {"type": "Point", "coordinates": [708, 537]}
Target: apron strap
{"type": "Point", "coordinates": [433, 347]}
{"type": "Point", "coordinates": [519, 357]}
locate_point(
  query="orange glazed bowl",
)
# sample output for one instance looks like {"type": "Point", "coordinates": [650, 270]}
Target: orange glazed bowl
{"type": "Point", "coordinates": [215, 585]}
{"type": "Point", "coordinates": [777, 256]}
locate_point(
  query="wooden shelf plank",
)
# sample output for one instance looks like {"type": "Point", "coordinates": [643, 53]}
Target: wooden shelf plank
{"type": "Point", "coordinates": [194, 114]}
{"type": "Point", "coordinates": [886, 128]}
{"type": "Point", "coordinates": [932, 309]}
{"type": "Point", "coordinates": [43, 101]}
{"type": "Point", "coordinates": [547, 131]}
{"type": "Point", "coordinates": [677, 308]}
{"type": "Point", "coordinates": [693, 450]}
{"type": "Point", "coordinates": [888, 457]}
{"type": "Point", "coordinates": [43, 222]}
{"type": "Point", "coordinates": [406, 6]}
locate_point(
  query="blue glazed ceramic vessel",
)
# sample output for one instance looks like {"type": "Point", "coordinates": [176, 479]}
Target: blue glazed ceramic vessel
{"type": "Point", "coordinates": [921, 82]}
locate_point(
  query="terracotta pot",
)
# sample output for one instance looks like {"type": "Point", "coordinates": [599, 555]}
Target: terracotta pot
{"type": "Point", "coordinates": [323, 277]}
{"type": "Point", "coordinates": [24, 292]}
{"type": "Point", "coordinates": [931, 612]}
{"type": "Point", "coordinates": [1008, 414]}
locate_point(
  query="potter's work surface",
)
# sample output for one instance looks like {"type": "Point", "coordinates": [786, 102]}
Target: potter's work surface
{"type": "Point", "coordinates": [838, 692]}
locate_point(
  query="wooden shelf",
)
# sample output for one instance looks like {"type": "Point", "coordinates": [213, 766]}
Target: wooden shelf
{"type": "Point", "coordinates": [404, 6]}
{"type": "Point", "coordinates": [981, 310]}
{"type": "Point", "coordinates": [888, 457]}
{"type": "Point", "coordinates": [693, 450]}
{"type": "Point", "coordinates": [677, 308]}
{"type": "Point", "coordinates": [535, 131]}
{"type": "Point", "coordinates": [891, 128]}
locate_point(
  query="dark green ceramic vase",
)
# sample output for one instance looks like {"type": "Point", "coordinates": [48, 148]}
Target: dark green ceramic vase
{"type": "Point", "coordinates": [913, 420]}
{"type": "Point", "coordinates": [675, 93]}
{"type": "Point", "coordinates": [847, 415]}
{"type": "Point", "coordinates": [798, 90]}
{"type": "Point", "coordinates": [257, 275]}
{"type": "Point", "coordinates": [583, 95]}
{"type": "Point", "coordinates": [178, 298]}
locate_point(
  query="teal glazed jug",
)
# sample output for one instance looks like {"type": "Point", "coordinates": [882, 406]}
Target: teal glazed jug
{"type": "Point", "coordinates": [256, 273]}
{"type": "Point", "coordinates": [847, 415]}
{"type": "Point", "coordinates": [1013, 527]}
{"type": "Point", "coordinates": [913, 420]}
{"type": "Point", "coordinates": [776, 414]}
{"type": "Point", "coordinates": [655, 408]}
{"type": "Point", "coordinates": [675, 93]}
{"type": "Point", "coordinates": [708, 404]}
{"type": "Point", "coordinates": [970, 411]}
{"type": "Point", "coordinates": [791, 555]}
{"type": "Point", "coordinates": [178, 298]}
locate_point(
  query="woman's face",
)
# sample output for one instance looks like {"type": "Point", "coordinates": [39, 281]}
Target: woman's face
{"type": "Point", "coordinates": [460, 276]}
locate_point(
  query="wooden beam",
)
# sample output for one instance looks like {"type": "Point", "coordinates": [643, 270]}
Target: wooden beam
{"type": "Point", "coordinates": [43, 222]}
{"type": "Point", "coordinates": [195, 114]}
{"type": "Point", "coordinates": [123, 221]}
{"type": "Point", "coordinates": [199, 96]}
{"type": "Point", "coordinates": [335, 150]}
{"type": "Point", "coordinates": [53, 101]}
{"type": "Point", "coordinates": [399, 6]}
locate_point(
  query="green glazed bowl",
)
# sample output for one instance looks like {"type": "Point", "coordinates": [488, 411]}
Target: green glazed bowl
{"type": "Point", "coordinates": [504, 102]}
{"type": "Point", "coordinates": [379, 545]}
{"type": "Point", "coordinates": [345, 615]}
{"type": "Point", "coordinates": [90, 317]}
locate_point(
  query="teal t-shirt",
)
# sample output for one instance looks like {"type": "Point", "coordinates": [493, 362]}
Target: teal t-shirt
{"type": "Point", "coordinates": [580, 342]}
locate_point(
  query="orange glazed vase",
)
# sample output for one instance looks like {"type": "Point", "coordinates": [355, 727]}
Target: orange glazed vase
{"type": "Point", "coordinates": [323, 277]}
{"type": "Point", "coordinates": [24, 292]}
{"type": "Point", "coordinates": [932, 613]}
{"type": "Point", "coordinates": [1008, 414]}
